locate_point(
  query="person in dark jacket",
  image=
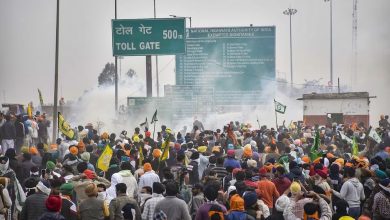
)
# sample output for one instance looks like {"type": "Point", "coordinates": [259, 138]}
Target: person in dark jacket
{"type": "Point", "coordinates": [53, 205]}
{"type": "Point", "coordinates": [34, 207]}
{"type": "Point", "coordinates": [8, 134]}
{"type": "Point", "coordinates": [193, 168]}
{"type": "Point", "coordinates": [68, 209]}
{"type": "Point", "coordinates": [295, 172]}
{"type": "Point", "coordinates": [43, 124]}
{"type": "Point", "coordinates": [20, 133]}
{"type": "Point", "coordinates": [13, 162]}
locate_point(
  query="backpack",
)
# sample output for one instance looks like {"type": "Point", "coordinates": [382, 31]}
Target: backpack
{"type": "Point", "coordinates": [128, 211]}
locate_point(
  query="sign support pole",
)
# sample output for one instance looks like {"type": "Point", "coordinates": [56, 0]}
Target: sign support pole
{"type": "Point", "coordinates": [55, 113]}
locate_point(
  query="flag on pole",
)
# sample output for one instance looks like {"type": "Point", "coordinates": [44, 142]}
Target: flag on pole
{"type": "Point", "coordinates": [314, 154]}
{"type": "Point", "coordinates": [375, 136]}
{"type": "Point", "coordinates": [165, 146]}
{"type": "Point", "coordinates": [40, 97]}
{"type": "Point", "coordinates": [279, 107]}
{"type": "Point", "coordinates": [355, 149]}
{"type": "Point", "coordinates": [103, 163]}
{"type": "Point", "coordinates": [145, 124]}
{"type": "Point", "coordinates": [141, 155]}
{"type": "Point", "coordinates": [64, 126]}
{"type": "Point", "coordinates": [346, 138]}
{"type": "Point", "coordinates": [154, 117]}
{"type": "Point", "coordinates": [29, 110]}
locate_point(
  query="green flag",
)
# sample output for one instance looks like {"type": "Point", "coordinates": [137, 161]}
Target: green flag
{"type": "Point", "coordinates": [314, 153]}
{"type": "Point", "coordinates": [355, 149]}
{"type": "Point", "coordinates": [279, 107]}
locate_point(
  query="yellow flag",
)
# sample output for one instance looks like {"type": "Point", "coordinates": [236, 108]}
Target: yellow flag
{"type": "Point", "coordinates": [103, 162]}
{"type": "Point", "coordinates": [165, 150]}
{"type": "Point", "coordinates": [29, 110]}
{"type": "Point", "coordinates": [141, 155]}
{"type": "Point", "coordinates": [64, 127]}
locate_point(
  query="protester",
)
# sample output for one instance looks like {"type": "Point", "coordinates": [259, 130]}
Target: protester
{"type": "Point", "coordinates": [53, 205]}
{"type": "Point", "coordinates": [174, 208]}
{"type": "Point", "coordinates": [150, 204]}
{"type": "Point", "coordinates": [35, 206]}
{"type": "Point", "coordinates": [92, 208]}
{"type": "Point", "coordinates": [255, 174]}
{"type": "Point", "coordinates": [123, 202]}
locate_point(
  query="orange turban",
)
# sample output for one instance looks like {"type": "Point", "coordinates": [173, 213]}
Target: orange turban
{"type": "Point", "coordinates": [147, 167]}
{"type": "Point", "coordinates": [74, 150]}
{"type": "Point", "coordinates": [33, 151]}
{"type": "Point", "coordinates": [156, 153]}
{"type": "Point", "coordinates": [306, 159]}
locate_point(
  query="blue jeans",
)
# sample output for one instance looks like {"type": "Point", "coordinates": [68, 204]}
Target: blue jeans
{"type": "Point", "coordinates": [354, 212]}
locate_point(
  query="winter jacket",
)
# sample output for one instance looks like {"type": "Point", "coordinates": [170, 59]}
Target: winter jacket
{"type": "Point", "coordinates": [352, 191]}
{"type": "Point", "coordinates": [34, 207]}
{"type": "Point", "coordinates": [192, 168]}
{"type": "Point", "coordinates": [296, 174]}
{"type": "Point", "coordinates": [118, 203]}
{"type": "Point", "coordinates": [52, 216]}
{"type": "Point", "coordinates": [126, 177]}
{"type": "Point", "coordinates": [8, 131]}
{"type": "Point", "coordinates": [231, 162]}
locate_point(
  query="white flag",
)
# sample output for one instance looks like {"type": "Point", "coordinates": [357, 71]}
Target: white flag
{"type": "Point", "coordinates": [344, 137]}
{"type": "Point", "coordinates": [279, 107]}
{"type": "Point", "coordinates": [375, 136]}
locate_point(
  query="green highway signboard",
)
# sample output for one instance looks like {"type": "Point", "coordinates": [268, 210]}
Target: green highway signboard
{"type": "Point", "coordinates": [236, 61]}
{"type": "Point", "coordinates": [139, 37]}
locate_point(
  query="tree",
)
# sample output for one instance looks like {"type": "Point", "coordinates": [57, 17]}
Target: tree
{"type": "Point", "coordinates": [107, 76]}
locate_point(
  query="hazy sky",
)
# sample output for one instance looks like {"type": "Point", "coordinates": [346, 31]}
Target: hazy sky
{"type": "Point", "coordinates": [27, 41]}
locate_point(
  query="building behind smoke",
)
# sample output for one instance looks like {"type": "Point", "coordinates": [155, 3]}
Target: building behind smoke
{"type": "Point", "coordinates": [342, 108]}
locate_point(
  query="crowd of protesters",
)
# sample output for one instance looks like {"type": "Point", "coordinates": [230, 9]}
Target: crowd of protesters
{"type": "Point", "coordinates": [237, 172]}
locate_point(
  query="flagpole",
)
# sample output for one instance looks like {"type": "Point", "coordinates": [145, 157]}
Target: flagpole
{"type": "Point", "coordinates": [154, 128]}
{"type": "Point", "coordinates": [276, 117]}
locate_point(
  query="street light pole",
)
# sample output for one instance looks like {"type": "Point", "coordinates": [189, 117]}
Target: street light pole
{"type": "Point", "coordinates": [157, 78]}
{"type": "Point", "coordinates": [331, 41]}
{"type": "Point", "coordinates": [116, 72]}
{"type": "Point", "coordinates": [55, 109]}
{"type": "Point", "coordinates": [290, 12]}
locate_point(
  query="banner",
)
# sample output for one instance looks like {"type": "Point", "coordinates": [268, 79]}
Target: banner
{"type": "Point", "coordinates": [64, 127]}
{"type": "Point", "coordinates": [103, 162]}
{"type": "Point", "coordinates": [279, 107]}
